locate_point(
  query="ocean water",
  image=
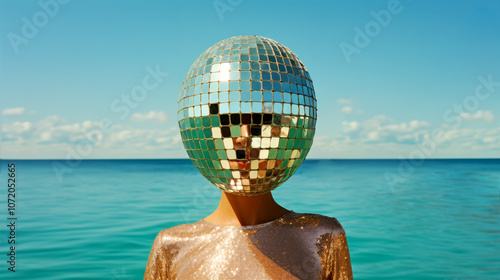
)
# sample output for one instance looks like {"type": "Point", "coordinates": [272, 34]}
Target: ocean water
{"type": "Point", "coordinates": [96, 219]}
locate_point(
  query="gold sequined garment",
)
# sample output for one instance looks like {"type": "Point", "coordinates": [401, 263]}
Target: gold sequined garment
{"type": "Point", "coordinates": [295, 246]}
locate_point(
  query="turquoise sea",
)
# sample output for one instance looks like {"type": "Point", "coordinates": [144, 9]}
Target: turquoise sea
{"type": "Point", "coordinates": [96, 219]}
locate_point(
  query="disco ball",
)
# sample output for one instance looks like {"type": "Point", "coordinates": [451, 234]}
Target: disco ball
{"type": "Point", "coordinates": [247, 114]}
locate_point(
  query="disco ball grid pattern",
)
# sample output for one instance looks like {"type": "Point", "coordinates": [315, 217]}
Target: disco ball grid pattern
{"type": "Point", "coordinates": [253, 82]}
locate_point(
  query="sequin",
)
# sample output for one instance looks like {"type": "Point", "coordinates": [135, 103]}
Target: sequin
{"type": "Point", "coordinates": [295, 246]}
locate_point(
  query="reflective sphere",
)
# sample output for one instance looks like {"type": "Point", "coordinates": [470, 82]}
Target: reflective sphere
{"type": "Point", "coordinates": [247, 114]}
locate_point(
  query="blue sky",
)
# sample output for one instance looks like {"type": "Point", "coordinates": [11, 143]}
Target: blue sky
{"type": "Point", "coordinates": [393, 79]}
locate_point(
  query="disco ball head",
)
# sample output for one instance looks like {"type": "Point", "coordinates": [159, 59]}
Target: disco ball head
{"type": "Point", "coordinates": [247, 114]}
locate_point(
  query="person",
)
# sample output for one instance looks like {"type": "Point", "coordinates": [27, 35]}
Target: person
{"type": "Point", "coordinates": [247, 151]}
{"type": "Point", "coordinates": [251, 237]}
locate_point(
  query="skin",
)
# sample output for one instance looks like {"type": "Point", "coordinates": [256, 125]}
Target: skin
{"type": "Point", "coordinates": [235, 210]}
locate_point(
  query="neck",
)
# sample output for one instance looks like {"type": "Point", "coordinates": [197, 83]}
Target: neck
{"type": "Point", "coordinates": [235, 210]}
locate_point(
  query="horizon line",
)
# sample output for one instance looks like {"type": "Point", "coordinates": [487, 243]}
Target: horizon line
{"type": "Point", "coordinates": [59, 159]}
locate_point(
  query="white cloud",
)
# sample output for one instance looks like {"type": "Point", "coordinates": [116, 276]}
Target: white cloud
{"type": "Point", "coordinates": [53, 135]}
{"type": "Point", "coordinates": [350, 126]}
{"type": "Point", "coordinates": [344, 101]}
{"type": "Point", "coordinates": [381, 128]}
{"type": "Point", "coordinates": [50, 121]}
{"type": "Point", "coordinates": [405, 127]}
{"type": "Point", "coordinates": [382, 137]}
{"type": "Point", "coordinates": [151, 116]}
{"type": "Point", "coordinates": [491, 139]}
{"type": "Point", "coordinates": [375, 122]}
{"type": "Point", "coordinates": [17, 111]}
{"type": "Point", "coordinates": [13, 111]}
{"type": "Point", "coordinates": [378, 136]}
{"type": "Point", "coordinates": [347, 109]}
{"type": "Point", "coordinates": [480, 116]}
{"type": "Point", "coordinates": [17, 127]}
{"type": "Point", "coordinates": [50, 129]}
